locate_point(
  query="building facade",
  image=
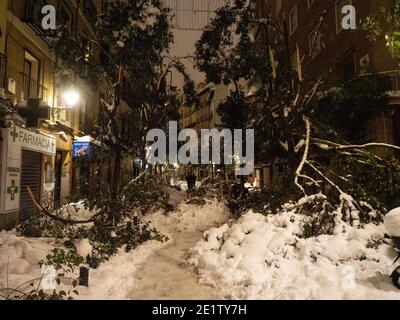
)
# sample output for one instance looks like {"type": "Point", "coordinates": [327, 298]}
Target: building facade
{"type": "Point", "coordinates": [337, 53]}
{"type": "Point", "coordinates": [30, 80]}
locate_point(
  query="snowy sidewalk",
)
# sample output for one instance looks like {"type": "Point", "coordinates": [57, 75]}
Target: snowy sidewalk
{"type": "Point", "coordinates": [166, 274]}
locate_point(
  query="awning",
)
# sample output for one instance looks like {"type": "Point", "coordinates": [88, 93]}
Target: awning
{"type": "Point", "coordinates": [87, 138]}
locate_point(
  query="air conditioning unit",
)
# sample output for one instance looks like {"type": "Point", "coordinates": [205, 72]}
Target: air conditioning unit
{"type": "Point", "coordinates": [12, 85]}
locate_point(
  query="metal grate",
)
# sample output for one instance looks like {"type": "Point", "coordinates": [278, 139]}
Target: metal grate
{"type": "Point", "coordinates": [193, 14]}
{"type": "Point", "coordinates": [30, 176]}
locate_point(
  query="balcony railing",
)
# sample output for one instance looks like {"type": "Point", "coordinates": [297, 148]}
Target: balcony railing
{"type": "Point", "coordinates": [32, 89]}
{"type": "Point", "coordinates": [3, 64]}
{"type": "Point", "coordinates": [33, 17]}
{"type": "Point", "coordinates": [394, 78]}
{"type": "Point", "coordinates": [395, 82]}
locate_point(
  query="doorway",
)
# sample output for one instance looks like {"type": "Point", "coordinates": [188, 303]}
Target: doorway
{"type": "Point", "coordinates": [31, 77]}
{"type": "Point", "coordinates": [31, 176]}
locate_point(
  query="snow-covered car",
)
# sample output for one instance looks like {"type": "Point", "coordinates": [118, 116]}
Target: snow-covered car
{"type": "Point", "coordinates": [392, 225]}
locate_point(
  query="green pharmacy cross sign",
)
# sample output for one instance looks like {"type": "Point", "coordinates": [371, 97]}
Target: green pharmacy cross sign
{"type": "Point", "coordinates": [14, 134]}
{"type": "Point", "coordinates": [12, 190]}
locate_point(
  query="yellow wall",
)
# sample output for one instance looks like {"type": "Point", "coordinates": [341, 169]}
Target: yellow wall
{"type": "Point", "coordinates": [3, 11]}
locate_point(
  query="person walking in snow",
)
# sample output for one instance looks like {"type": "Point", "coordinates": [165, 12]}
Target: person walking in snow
{"type": "Point", "coordinates": [191, 184]}
{"type": "Point", "coordinates": [238, 192]}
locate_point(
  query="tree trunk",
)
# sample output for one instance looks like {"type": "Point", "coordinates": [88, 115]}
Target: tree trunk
{"type": "Point", "coordinates": [117, 173]}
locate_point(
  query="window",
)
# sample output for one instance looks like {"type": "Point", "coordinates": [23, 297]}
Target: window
{"type": "Point", "coordinates": [315, 41]}
{"type": "Point", "coordinates": [33, 11]}
{"type": "Point", "coordinates": [31, 66]}
{"type": "Point", "coordinates": [293, 20]}
{"type": "Point", "coordinates": [338, 12]}
{"type": "Point", "coordinates": [31, 77]}
{"type": "Point", "coordinates": [365, 64]}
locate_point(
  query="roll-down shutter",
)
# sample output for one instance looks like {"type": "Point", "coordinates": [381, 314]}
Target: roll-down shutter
{"type": "Point", "coordinates": [30, 176]}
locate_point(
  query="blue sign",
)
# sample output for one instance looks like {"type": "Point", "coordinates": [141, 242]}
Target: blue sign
{"type": "Point", "coordinates": [80, 149]}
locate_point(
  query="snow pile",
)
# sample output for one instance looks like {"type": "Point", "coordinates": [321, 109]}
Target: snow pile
{"type": "Point", "coordinates": [188, 218]}
{"type": "Point", "coordinates": [180, 184]}
{"type": "Point", "coordinates": [77, 211]}
{"type": "Point", "coordinates": [263, 257]}
{"type": "Point", "coordinates": [114, 279]}
{"type": "Point", "coordinates": [19, 257]}
{"type": "Point", "coordinates": [84, 248]}
{"type": "Point", "coordinates": [392, 222]}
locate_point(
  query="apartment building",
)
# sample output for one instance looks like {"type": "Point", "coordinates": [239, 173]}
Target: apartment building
{"type": "Point", "coordinates": [37, 151]}
{"type": "Point", "coordinates": [336, 52]}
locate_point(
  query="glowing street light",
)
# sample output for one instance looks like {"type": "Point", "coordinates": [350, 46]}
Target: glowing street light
{"type": "Point", "coordinates": [71, 98]}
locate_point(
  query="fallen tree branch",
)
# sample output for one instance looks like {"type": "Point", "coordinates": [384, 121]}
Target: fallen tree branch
{"type": "Point", "coordinates": [47, 213]}
{"type": "Point", "coordinates": [134, 180]}
{"type": "Point", "coordinates": [324, 177]}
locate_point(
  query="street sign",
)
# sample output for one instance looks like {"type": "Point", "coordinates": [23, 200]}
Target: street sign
{"type": "Point", "coordinates": [80, 149]}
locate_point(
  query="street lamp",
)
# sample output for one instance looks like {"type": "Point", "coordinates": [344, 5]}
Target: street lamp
{"type": "Point", "coordinates": [71, 97]}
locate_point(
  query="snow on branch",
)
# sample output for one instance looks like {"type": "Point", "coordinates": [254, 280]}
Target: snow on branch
{"type": "Point", "coordinates": [367, 145]}
{"type": "Point", "coordinates": [298, 173]}
{"type": "Point", "coordinates": [329, 145]}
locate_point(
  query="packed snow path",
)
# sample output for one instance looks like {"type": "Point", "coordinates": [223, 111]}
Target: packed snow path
{"type": "Point", "coordinates": [166, 273]}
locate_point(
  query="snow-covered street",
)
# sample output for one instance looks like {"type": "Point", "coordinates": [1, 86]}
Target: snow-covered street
{"type": "Point", "coordinates": [211, 256]}
{"type": "Point", "coordinates": [166, 274]}
{"type": "Point", "coordinates": [158, 270]}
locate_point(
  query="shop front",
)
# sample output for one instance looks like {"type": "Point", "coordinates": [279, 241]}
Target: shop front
{"type": "Point", "coordinates": [27, 160]}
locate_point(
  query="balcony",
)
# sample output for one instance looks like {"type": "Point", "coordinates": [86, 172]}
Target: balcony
{"type": "Point", "coordinates": [3, 64]}
{"type": "Point", "coordinates": [33, 17]}
{"type": "Point", "coordinates": [31, 89]}
{"type": "Point", "coordinates": [395, 82]}
{"type": "Point", "coordinates": [394, 78]}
